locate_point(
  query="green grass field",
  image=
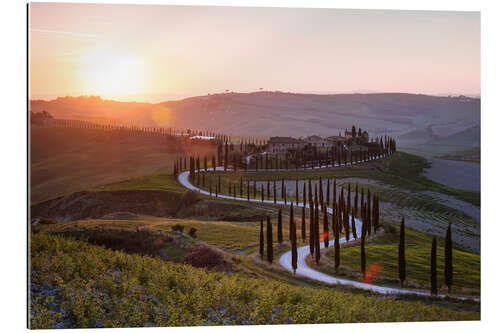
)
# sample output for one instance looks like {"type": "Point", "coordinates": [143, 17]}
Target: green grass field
{"type": "Point", "coordinates": [91, 286]}
{"type": "Point", "coordinates": [384, 251]}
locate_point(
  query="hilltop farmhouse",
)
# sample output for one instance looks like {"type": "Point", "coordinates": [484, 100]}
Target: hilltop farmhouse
{"type": "Point", "coordinates": [281, 144]}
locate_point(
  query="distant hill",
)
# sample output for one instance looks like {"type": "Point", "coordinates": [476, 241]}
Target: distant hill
{"type": "Point", "coordinates": [283, 114]}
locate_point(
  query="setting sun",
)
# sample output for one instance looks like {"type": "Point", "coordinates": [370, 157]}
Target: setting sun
{"type": "Point", "coordinates": [111, 73]}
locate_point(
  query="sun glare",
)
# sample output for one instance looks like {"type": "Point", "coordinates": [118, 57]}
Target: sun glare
{"type": "Point", "coordinates": [112, 73]}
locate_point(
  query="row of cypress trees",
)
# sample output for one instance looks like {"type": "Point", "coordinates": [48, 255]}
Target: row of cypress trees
{"type": "Point", "coordinates": [448, 259]}
{"type": "Point", "coordinates": [333, 156]}
{"type": "Point", "coordinates": [343, 218]}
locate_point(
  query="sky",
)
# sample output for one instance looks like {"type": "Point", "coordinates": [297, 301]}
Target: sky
{"type": "Point", "coordinates": [155, 53]}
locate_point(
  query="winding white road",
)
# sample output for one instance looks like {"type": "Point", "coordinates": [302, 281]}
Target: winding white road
{"type": "Point", "coordinates": [302, 252]}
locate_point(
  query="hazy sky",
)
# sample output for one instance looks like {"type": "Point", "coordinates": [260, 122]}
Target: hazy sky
{"type": "Point", "coordinates": [154, 53]}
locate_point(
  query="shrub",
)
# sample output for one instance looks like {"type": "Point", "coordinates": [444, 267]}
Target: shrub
{"type": "Point", "coordinates": [189, 197]}
{"type": "Point", "coordinates": [192, 232]}
{"type": "Point", "coordinates": [178, 227]}
{"type": "Point", "coordinates": [206, 257]}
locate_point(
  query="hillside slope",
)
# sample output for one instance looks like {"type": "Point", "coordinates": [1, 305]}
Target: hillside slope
{"type": "Point", "coordinates": [276, 113]}
{"type": "Point", "coordinates": [66, 160]}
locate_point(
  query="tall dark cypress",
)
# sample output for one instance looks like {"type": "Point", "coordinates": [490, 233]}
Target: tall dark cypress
{"type": "Point", "coordinates": [336, 244]}
{"type": "Point", "coordinates": [402, 255]}
{"type": "Point", "coordinates": [368, 214]}
{"type": "Point", "coordinates": [311, 228]}
{"type": "Point", "coordinates": [346, 222]}
{"type": "Point", "coordinates": [280, 227]}
{"type": "Point", "coordinates": [434, 287]}
{"type": "Point", "coordinates": [303, 225]}
{"type": "Point", "coordinates": [274, 191]}
{"type": "Point", "coordinates": [248, 190]}
{"type": "Point", "coordinates": [261, 239]}
{"type": "Point", "coordinates": [284, 193]}
{"type": "Point", "coordinates": [328, 192]}
{"type": "Point", "coordinates": [349, 199]}
{"type": "Point", "coordinates": [268, 190]}
{"type": "Point", "coordinates": [448, 262]}
{"type": "Point", "coordinates": [283, 188]}
{"type": "Point", "coordinates": [325, 227]}
{"type": "Point", "coordinates": [363, 255]}
{"type": "Point", "coordinates": [304, 193]}
{"type": "Point", "coordinates": [353, 225]}
{"type": "Point", "coordinates": [297, 191]}
{"type": "Point", "coordinates": [269, 241]}
{"type": "Point", "coordinates": [292, 219]}
{"type": "Point", "coordinates": [317, 241]}
{"type": "Point", "coordinates": [262, 192]}
{"type": "Point", "coordinates": [294, 243]}
{"type": "Point", "coordinates": [321, 203]}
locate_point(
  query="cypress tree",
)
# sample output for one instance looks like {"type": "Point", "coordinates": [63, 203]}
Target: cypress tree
{"type": "Point", "coordinates": [353, 226]}
{"type": "Point", "coordinates": [261, 239]}
{"type": "Point", "coordinates": [368, 214]}
{"type": "Point", "coordinates": [280, 227]}
{"type": "Point", "coordinates": [317, 241]}
{"type": "Point", "coordinates": [346, 223]}
{"type": "Point", "coordinates": [303, 226]}
{"type": "Point", "coordinates": [311, 228]}
{"type": "Point", "coordinates": [274, 191]}
{"type": "Point", "coordinates": [282, 188]}
{"type": "Point", "coordinates": [294, 243]}
{"type": "Point", "coordinates": [248, 190]}
{"type": "Point", "coordinates": [304, 193]}
{"type": "Point", "coordinates": [363, 255]}
{"type": "Point", "coordinates": [448, 262]}
{"type": "Point", "coordinates": [325, 227]}
{"type": "Point", "coordinates": [402, 255]}
{"type": "Point", "coordinates": [292, 219]}
{"type": "Point", "coordinates": [284, 193]}
{"type": "Point", "coordinates": [262, 192]}
{"type": "Point", "coordinates": [328, 192]}
{"type": "Point", "coordinates": [336, 244]}
{"type": "Point", "coordinates": [268, 190]}
{"type": "Point", "coordinates": [269, 241]}
{"type": "Point", "coordinates": [348, 198]}
{"type": "Point", "coordinates": [297, 191]}
{"type": "Point", "coordinates": [241, 186]}
{"type": "Point", "coordinates": [321, 193]}
{"type": "Point", "coordinates": [434, 287]}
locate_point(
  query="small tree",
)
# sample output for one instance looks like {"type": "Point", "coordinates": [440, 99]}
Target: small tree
{"type": "Point", "coordinates": [434, 287]}
{"type": "Point", "coordinates": [269, 241]}
{"type": "Point", "coordinates": [448, 263]}
{"type": "Point", "coordinates": [280, 227]}
{"type": "Point", "coordinates": [402, 256]}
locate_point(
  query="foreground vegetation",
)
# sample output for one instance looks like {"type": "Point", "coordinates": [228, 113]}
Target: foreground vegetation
{"type": "Point", "coordinates": [75, 284]}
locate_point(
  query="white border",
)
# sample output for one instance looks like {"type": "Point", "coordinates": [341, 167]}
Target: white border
{"type": "Point", "coordinates": [13, 139]}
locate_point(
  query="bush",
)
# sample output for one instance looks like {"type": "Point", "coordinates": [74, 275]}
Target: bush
{"type": "Point", "coordinates": [178, 227]}
{"type": "Point", "coordinates": [192, 232]}
{"type": "Point", "coordinates": [206, 257]}
{"type": "Point", "coordinates": [189, 197]}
